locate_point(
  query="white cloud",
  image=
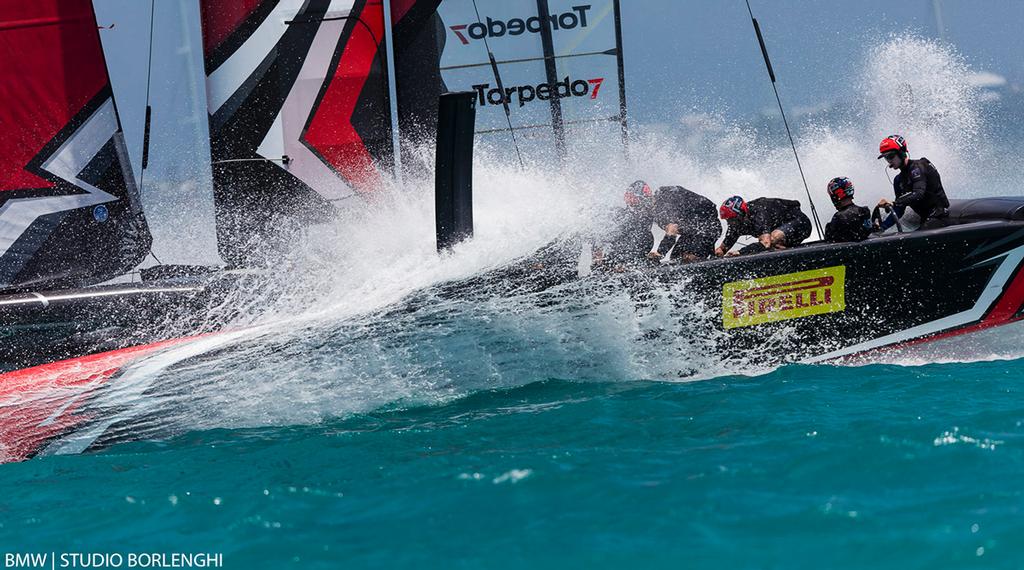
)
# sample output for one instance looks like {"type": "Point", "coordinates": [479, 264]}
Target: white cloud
{"type": "Point", "coordinates": [986, 79]}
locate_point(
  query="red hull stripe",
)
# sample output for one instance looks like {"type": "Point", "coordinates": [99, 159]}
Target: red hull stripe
{"type": "Point", "coordinates": [41, 402]}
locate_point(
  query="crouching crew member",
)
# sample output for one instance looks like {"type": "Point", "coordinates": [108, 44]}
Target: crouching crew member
{"type": "Point", "coordinates": [690, 222]}
{"type": "Point", "coordinates": [775, 222]}
{"type": "Point", "coordinates": [850, 222]}
{"type": "Point", "coordinates": [630, 239]}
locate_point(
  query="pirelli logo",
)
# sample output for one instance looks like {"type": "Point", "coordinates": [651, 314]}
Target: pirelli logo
{"type": "Point", "coordinates": [783, 297]}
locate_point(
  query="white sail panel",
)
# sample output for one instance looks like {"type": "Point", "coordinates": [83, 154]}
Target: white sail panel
{"type": "Point", "coordinates": [573, 86]}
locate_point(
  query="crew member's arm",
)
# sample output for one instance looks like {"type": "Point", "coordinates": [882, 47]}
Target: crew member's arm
{"type": "Point", "coordinates": [891, 217]}
{"type": "Point", "coordinates": [762, 226]}
{"type": "Point", "coordinates": [895, 210]}
{"type": "Point", "coordinates": [671, 235]}
{"type": "Point", "coordinates": [831, 230]}
{"type": "Point", "coordinates": [886, 203]}
{"type": "Point", "coordinates": [864, 229]}
{"type": "Point", "coordinates": [731, 235]}
{"type": "Point", "coordinates": [918, 187]}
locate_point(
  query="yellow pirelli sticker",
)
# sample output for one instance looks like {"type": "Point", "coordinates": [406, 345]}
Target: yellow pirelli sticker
{"type": "Point", "coordinates": [783, 297]}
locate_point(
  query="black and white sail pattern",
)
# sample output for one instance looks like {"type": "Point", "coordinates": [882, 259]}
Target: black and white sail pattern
{"type": "Point", "coordinates": [69, 210]}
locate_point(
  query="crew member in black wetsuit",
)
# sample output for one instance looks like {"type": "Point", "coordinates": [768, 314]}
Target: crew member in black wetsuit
{"type": "Point", "coordinates": [630, 240]}
{"type": "Point", "coordinates": [850, 222]}
{"type": "Point", "coordinates": [690, 222]}
{"type": "Point", "coordinates": [918, 184]}
{"type": "Point", "coordinates": [775, 222]}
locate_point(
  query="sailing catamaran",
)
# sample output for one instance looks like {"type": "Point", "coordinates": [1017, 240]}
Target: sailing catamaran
{"type": "Point", "coordinates": [312, 105]}
{"type": "Point", "coordinates": [70, 214]}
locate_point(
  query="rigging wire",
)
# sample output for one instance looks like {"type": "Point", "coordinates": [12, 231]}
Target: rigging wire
{"type": "Point", "coordinates": [149, 115]}
{"type": "Point", "coordinates": [771, 74]}
{"type": "Point", "coordinates": [501, 87]}
{"type": "Point", "coordinates": [899, 226]}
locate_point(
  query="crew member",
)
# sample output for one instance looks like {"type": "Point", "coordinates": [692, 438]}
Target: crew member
{"type": "Point", "coordinates": [775, 222]}
{"type": "Point", "coordinates": [850, 222]}
{"type": "Point", "coordinates": [690, 222]}
{"type": "Point", "coordinates": [917, 185]}
{"type": "Point", "coordinates": [630, 240]}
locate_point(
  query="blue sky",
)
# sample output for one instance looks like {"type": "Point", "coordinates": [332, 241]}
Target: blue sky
{"type": "Point", "coordinates": [699, 53]}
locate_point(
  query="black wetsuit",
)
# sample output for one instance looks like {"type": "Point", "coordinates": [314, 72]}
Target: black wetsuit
{"type": "Point", "coordinates": [766, 215]}
{"type": "Point", "coordinates": [850, 223]}
{"type": "Point", "coordinates": [919, 186]}
{"type": "Point", "coordinates": [631, 239]}
{"type": "Point", "coordinates": [696, 216]}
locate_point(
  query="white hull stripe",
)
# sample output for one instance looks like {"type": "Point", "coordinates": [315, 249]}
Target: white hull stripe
{"type": "Point", "coordinates": [994, 288]}
{"type": "Point", "coordinates": [128, 390]}
{"type": "Point", "coordinates": [45, 300]}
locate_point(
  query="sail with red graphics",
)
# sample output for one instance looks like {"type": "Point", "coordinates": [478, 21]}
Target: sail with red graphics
{"type": "Point", "coordinates": [69, 210]}
{"type": "Point", "coordinates": [298, 101]}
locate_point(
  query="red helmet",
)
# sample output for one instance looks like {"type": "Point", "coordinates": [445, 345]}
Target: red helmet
{"type": "Point", "coordinates": [733, 208]}
{"type": "Point", "coordinates": [840, 188]}
{"type": "Point", "coordinates": [892, 143]}
{"type": "Point", "coordinates": [637, 192]}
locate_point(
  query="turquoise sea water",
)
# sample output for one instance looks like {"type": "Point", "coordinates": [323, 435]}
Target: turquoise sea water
{"type": "Point", "coordinates": [806, 466]}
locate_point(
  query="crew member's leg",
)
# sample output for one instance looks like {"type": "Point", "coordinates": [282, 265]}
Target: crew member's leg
{"type": "Point", "coordinates": [937, 218]}
{"type": "Point", "coordinates": [697, 243]}
{"type": "Point", "coordinates": [793, 232]}
{"type": "Point", "coordinates": [692, 247]}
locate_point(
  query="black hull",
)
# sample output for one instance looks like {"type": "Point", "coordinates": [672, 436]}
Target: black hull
{"type": "Point", "coordinates": [816, 302]}
{"type": "Point", "coordinates": [48, 326]}
{"type": "Point", "coordinates": [895, 290]}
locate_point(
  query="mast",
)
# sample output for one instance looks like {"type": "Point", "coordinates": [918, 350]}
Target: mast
{"type": "Point", "coordinates": [622, 78]}
{"type": "Point", "coordinates": [389, 40]}
{"type": "Point", "coordinates": [547, 43]}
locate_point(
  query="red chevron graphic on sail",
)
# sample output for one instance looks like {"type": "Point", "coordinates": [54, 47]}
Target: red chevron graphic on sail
{"type": "Point", "coordinates": [337, 141]}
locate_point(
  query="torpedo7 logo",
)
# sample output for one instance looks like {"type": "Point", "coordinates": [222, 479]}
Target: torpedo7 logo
{"type": "Point", "coordinates": [577, 17]}
{"type": "Point", "coordinates": [543, 91]}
